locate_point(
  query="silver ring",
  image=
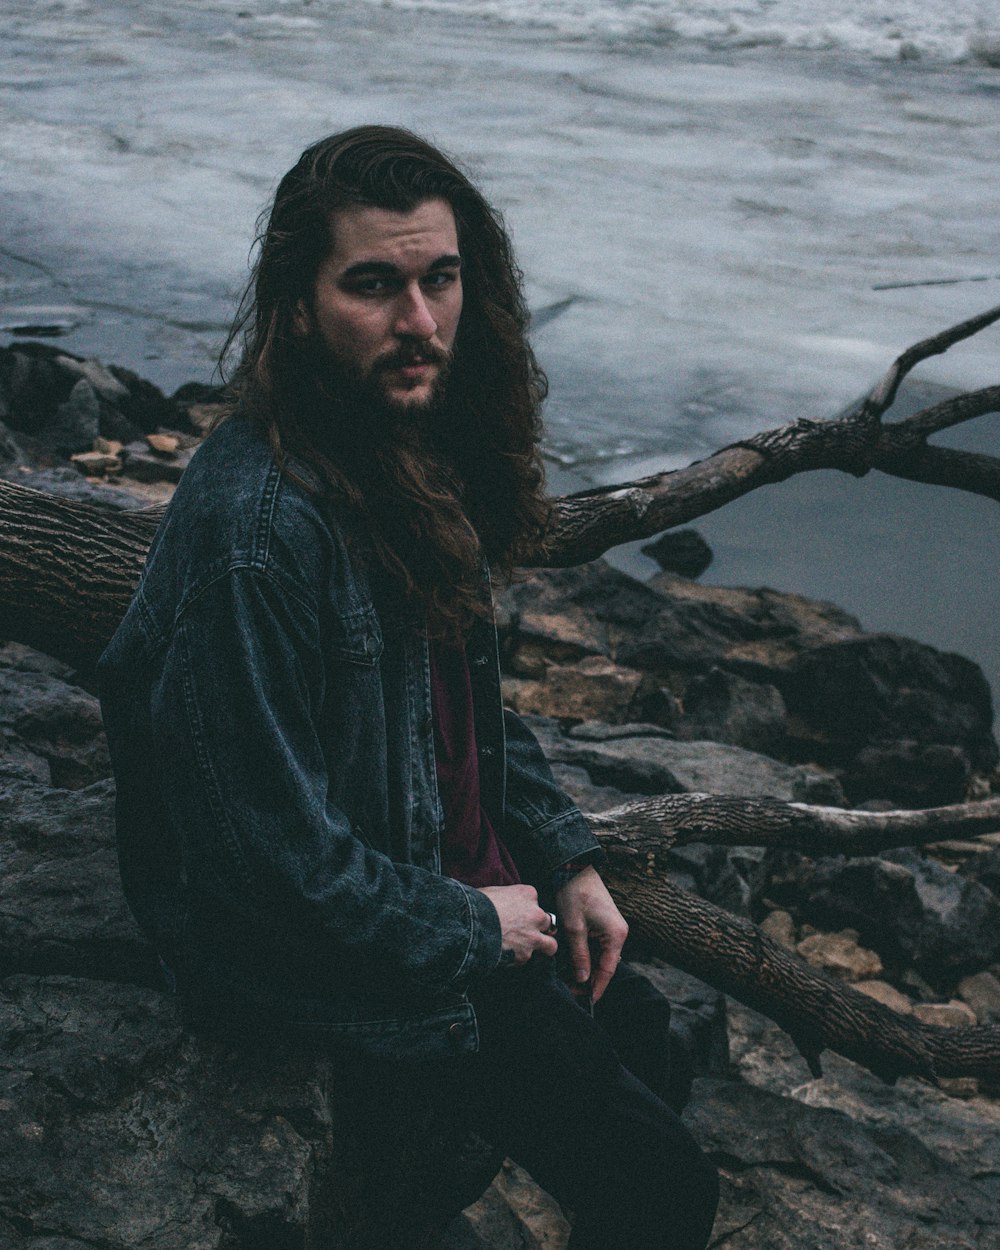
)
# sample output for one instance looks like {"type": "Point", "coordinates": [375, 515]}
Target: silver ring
{"type": "Point", "coordinates": [553, 922]}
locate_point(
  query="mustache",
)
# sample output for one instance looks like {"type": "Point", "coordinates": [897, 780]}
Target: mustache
{"type": "Point", "coordinates": [413, 354]}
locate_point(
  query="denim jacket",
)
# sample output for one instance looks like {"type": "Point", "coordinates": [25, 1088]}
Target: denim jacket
{"type": "Point", "coordinates": [268, 708]}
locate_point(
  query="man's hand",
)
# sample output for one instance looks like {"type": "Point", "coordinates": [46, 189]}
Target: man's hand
{"type": "Point", "coordinates": [588, 916]}
{"type": "Point", "coordinates": [524, 926]}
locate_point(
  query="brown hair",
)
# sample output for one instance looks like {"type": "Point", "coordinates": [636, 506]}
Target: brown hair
{"type": "Point", "coordinates": [430, 517]}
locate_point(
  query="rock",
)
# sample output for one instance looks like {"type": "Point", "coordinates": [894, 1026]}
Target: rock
{"type": "Point", "coordinates": [887, 995]}
{"type": "Point", "coordinates": [514, 1213]}
{"type": "Point", "coordinates": [166, 444]}
{"type": "Point", "coordinates": [75, 423]}
{"type": "Point", "coordinates": [756, 633]}
{"type": "Point", "coordinates": [96, 462]}
{"type": "Point", "coordinates": [680, 551]}
{"type": "Point", "coordinates": [697, 1015]}
{"type": "Point", "coordinates": [985, 869]}
{"type": "Point", "coordinates": [587, 797]}
{"type": "Point", "coordinates": [909, 909]}
{"type": "Point", "coordinates": [562, 615]}
{"type": "Point", "coordinates": [64, 402]}
{"type": "Point", "coordinates": [982, 993]}
{"type": "Point", "coordinates": [601, 731]}
{"type": "Point", "coordinates": [767, 671]}
{"type": "Point", "coordinates": [61, 906]}
{"type": "Point", "coordinates": [117, 1130]}
{"type": "Point", "coordinates": [57, 721]}
{"type": "Point", "coordinates": [952, 1015]}
{"type": "Point", "coordinates": [68, 483]}
{"type": "Point", "coordinates": [880, 1167]}
{"type": "Point", "coordinates": [712, 872]}
{"type": "Point", "coordinates": [780, 926]}
{"type": "Point", "coordinates": [593, 688]}
{"type": "Point", "coordinates": [796, 1176]}
{"type": "Point", "coordinates": [908, 774]}
{"type": "Point", "coordinates": [882, 692]}
{"type": "Point", "coordinates": [725, 707]}
{"type": "Point", "coordinates": [840, 956]}
{"type": "Point", "coordinates": [652, 764]}
{"type": "Point", "coordinates": [145, 464]}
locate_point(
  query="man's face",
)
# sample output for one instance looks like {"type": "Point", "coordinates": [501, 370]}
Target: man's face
{"type": "Point", "coordinates": [387, 302]}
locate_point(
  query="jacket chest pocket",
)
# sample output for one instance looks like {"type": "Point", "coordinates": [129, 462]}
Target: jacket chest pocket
{"type": "Point", "coordinates": [355, 636]}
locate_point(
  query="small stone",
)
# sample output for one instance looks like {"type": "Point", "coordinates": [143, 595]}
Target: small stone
{"type": "Point", "coordinates": [950, 1015]}
{"type": "Point", "coordinates": [146, 465]}
{"type": "Point", "coordinates": [982, 994]}
{"type": "Point", "coordinates": [780, 926]}
{"type": "Point", "coordinates": [96, 462]}
{"type": "Point", "coordinates": [166, 444]}
{"type": "Point", "coordinates": [887, 995]}
{"type": "Point", "coordinates": [680, 551]}
{"type": "Point", "coordinates": [840, 955]}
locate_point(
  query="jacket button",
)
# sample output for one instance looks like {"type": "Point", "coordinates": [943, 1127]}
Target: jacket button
{"type": "Point", "coordinates": [456, 1032]}
{"type": "Point", "coordinates": [371, 644]}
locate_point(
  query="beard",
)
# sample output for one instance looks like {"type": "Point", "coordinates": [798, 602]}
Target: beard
{"type": "Point", "coordinates": [357, 403]}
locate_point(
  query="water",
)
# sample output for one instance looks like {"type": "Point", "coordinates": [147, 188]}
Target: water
{"type": "Point", "coordinates": [721, 204]}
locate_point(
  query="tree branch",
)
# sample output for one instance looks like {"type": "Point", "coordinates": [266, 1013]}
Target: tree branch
{"type": "Point", "coordinates": [587, 524]}
{"type": "Point", "coordinates": [734, 956]}
{"type": "Point", "coordinates": [648, 827]}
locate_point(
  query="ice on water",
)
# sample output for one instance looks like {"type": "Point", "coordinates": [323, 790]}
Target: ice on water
{"type": "Point", "coordinates": [705, 196]}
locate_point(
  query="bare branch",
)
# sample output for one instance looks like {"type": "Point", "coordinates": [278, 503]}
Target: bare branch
{"type": "Point", "coordinates": [881, 397]}
{"type": "Point", "coordinates": [648, 827]}
{"type": "Point", "coordinates": [587, 524]}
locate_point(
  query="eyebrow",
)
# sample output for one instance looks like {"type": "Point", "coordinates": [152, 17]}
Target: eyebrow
{"type": "Point", "coordinates": [383, 269]}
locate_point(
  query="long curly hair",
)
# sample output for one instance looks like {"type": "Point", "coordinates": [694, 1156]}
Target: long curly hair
{"type": "Point", "coordinates": [473, 489]}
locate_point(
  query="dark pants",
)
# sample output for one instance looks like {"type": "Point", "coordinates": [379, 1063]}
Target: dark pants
{"type": "Point", "coordinates": [548, 1088]}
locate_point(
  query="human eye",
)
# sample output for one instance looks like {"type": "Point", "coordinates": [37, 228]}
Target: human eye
{"type": "Point", "coordinates": [369, 286]}
{"type": "Point", "coordinates": [440, 279]}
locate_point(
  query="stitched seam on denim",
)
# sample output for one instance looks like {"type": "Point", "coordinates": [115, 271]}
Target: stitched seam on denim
{"type": "Point", "coordinates": [196, 727]}
{"type": "Point", "coordinates": [148, 619]}
{"type": "Point", "coordinates": [473, 926]}
{"type": "Point", "coordinates": [266, 515]}
{"type": "Point", "coordinates": [235, 567]}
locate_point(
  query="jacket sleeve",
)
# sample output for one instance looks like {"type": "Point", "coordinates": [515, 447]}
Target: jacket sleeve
{"type": "Point", "coordinates": [542, 827]}
{"type": "Point", "coordinates": [243, 775]}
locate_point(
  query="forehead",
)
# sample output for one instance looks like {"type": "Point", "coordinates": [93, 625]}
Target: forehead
{"type": "Point", "coordinates": [410, 239]}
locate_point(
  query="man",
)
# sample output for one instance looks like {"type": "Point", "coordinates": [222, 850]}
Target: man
{"type": "Point", "coordinates": [326, 819]}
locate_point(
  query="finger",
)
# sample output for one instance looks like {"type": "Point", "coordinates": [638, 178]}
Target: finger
{"type": "Point", "coordinates": [607, 966]}
{"type": "Point", "coordinates": [548, 945]}
{"type": "Point", "coordinates": [578, 947]}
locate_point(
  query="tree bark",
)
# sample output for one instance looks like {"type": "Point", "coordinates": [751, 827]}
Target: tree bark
{"type": "Point", "coordinates": [734, 956]}
{"type": "Point", "coordinates": [650, 826]}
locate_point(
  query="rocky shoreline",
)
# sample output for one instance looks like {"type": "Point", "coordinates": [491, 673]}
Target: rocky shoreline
{"type": "Point", "coordinates": [120, 1130]}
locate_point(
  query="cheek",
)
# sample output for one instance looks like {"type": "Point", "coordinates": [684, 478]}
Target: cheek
{"type": "Point", "coordinates": [359, 334]}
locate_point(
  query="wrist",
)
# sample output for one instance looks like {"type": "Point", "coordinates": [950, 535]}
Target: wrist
{"type": "Point", "coordinates": [564, 874]}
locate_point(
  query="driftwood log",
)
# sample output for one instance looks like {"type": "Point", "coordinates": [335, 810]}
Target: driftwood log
{"type": "Point", "coordinates": [68, 570]}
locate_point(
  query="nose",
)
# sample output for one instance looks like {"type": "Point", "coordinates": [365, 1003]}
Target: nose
{"type": "Point", "coordinates": [414, 318]}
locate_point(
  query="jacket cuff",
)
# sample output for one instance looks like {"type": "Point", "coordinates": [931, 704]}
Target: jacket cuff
{"type": "Point", "coordinates": [564, 837]}
{"type": "Point", "coordinates": [482, 955]}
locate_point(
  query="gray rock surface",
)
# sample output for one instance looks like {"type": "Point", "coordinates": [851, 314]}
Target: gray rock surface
{"type": "Point", "coordinates": [904, 905]}
{"type": "Point", "coordinates": [648, 763]}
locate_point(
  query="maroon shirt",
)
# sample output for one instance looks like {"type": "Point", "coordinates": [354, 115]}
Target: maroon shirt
{"type": "Point", "coordinates": [471, 852]}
